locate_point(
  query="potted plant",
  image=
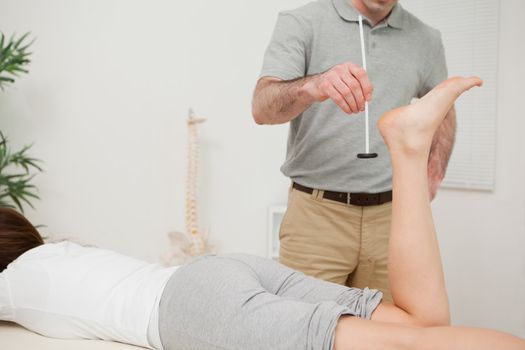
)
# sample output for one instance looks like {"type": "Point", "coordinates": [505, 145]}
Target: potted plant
{"type": "Point", "coordinates": [17, 167]}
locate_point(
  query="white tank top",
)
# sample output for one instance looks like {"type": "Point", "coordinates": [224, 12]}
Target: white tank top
{"type": "Point", "coordinates": [65, 290]}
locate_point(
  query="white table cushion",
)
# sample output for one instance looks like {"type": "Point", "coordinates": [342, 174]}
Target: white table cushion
{"type": "Point", "coordinates": [14, 337]}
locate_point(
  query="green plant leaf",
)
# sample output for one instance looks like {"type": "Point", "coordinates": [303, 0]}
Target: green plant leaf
{"type": "Point", "coordinates": [17, 170]}
{"type": "Point", "coordinates": [14, 57]}
{"type": "Point", "coordinates": [22, 38]}
{"type": "Point", "coordinates": [16, 200]}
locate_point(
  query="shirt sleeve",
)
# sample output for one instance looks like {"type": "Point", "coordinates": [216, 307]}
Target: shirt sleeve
{"type": "Point", "coordinates": [285, 57]}
{"type": "Point", "coordinates": [437, 71]}
{"type": "Point", "coordinates": [6, 312]}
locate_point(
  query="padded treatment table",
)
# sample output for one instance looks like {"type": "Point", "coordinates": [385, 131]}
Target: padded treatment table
{"type": "Point", "coordinates": [14, 337]}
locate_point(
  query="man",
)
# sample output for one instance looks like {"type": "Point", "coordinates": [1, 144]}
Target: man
{"type": "Point", "coordinates": [339, 209]}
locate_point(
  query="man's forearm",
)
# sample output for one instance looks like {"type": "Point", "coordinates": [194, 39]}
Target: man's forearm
{"type": "Point", "coordinates": [277, 102]}
{"type": "Point", "coordinates": [442, 146]}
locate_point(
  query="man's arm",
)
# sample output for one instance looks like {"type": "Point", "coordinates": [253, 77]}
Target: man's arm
{"type": "Point", "coordinates": [442, 146]}
{"type": "Point", "coordinates": [276, 101]}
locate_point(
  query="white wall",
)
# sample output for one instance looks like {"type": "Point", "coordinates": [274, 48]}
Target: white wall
{"type": "Point", "coordinates": [106, 100]}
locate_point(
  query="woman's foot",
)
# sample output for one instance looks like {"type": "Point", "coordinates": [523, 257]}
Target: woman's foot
{"type": "Point", "coordinates": [410, 129]}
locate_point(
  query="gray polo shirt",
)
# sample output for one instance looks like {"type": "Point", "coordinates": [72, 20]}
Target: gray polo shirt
{"type": "Point", "coordinates": [405, 59]}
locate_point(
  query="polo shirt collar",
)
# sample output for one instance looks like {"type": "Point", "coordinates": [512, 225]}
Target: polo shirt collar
{"type": "Point", "coordinates": [349, 13]}
{"type": "Point", "coordinates": [395, 19]}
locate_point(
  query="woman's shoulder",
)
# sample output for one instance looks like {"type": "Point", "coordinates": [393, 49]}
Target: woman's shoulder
{"type": "Point", "coordinates": [51, 249]}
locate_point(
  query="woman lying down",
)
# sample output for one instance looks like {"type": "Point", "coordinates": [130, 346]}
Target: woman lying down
{"type": "Point", "coordinates": [243, 302]}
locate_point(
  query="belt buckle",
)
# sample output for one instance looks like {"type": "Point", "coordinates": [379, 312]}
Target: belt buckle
{"type": "Point", "coordinates": [348, 196]}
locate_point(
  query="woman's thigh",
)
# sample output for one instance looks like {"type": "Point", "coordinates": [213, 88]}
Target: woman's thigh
{"type": "Point", "coordinates": [285, 282]}
{"type": "Point", "coordinates": [220, 303]}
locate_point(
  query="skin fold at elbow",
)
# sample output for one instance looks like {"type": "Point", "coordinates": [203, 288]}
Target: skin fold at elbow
{"type": "Point", "coordinates": [259, 116]}
{"type": "Point", "coordinates": [261, 112]}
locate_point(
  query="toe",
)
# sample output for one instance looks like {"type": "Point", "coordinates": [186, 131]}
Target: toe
{"type": "Point", "coordinates": [460, 84]}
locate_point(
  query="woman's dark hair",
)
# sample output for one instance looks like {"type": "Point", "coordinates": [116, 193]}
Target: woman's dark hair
{"type": "Point", "coordinates": [17, 235]}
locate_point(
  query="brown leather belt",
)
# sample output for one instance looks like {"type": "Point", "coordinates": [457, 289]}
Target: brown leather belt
{"type": "Point", "coordinates": [361, 199]}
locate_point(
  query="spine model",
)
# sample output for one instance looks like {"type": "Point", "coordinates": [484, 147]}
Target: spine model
{"type": "Point", "coordinates": [193, 242]}
{"type": "Point", "coordinates": [197, 242]}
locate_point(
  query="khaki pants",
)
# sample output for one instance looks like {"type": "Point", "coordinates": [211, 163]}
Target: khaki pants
{"type": "Point", "coordinates": [336, 242]}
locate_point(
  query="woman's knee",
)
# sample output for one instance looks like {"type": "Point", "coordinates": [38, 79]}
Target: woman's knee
{"type": "Point", "coordinates": [357, 334]}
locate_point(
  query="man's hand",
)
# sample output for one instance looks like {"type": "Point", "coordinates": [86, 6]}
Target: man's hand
{"type": "Point", "coordinates": [435, 177]}
{"type": "Point", "coordinates": [347, 84]}
{"type": "Point", "coordinates": [440, 152]}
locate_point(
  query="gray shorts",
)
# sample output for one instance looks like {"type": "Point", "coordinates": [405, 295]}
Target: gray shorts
{"type": "Point", "coordinates": [245, 302]}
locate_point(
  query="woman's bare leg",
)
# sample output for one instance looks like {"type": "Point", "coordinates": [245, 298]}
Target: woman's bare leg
{"type": "Point", "coordinates": [416, 275]}
{"type": "Point", "coordinates": [357, 334]}
{"type": "Point", "coordinates": [415, 270]}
